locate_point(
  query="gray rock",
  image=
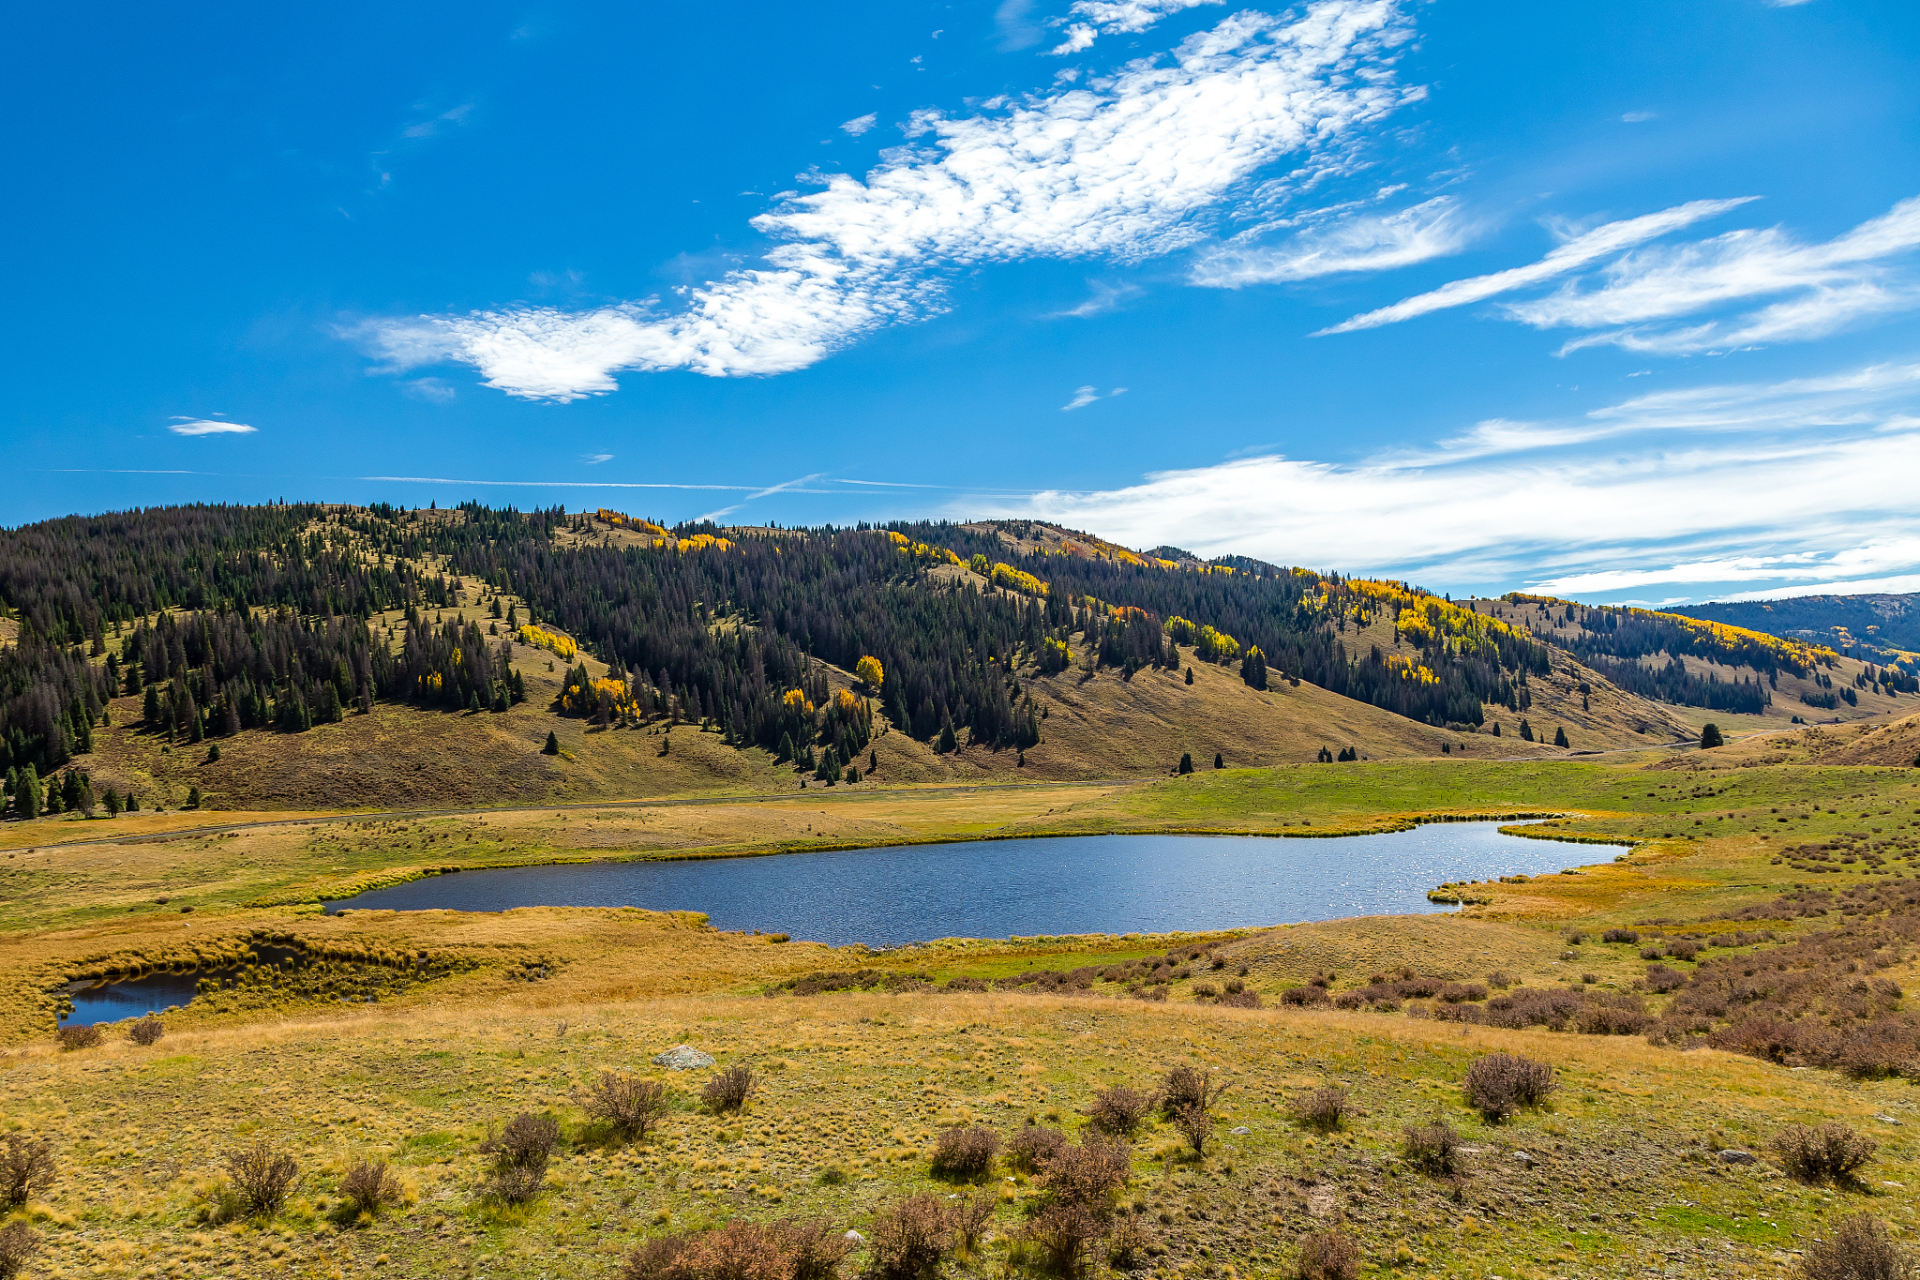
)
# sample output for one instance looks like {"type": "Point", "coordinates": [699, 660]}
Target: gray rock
{"type": "Point", "coordinates": [683, 1057]}
{"type": "Point", "coordinates": [1881, 1119]}
{"type": "Point", "coordinates": [1521, 1157]}
{"type": "Point", "coordinates": [1240, 1129]}
{"type": "Point", "coordinates": [1730, 1156]}
{"type": "Point", "coordinates": [856, 1237]}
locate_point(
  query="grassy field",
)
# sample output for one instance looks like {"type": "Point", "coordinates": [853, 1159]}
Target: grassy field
{"type": "Point", "coordinates": [474, 1019]}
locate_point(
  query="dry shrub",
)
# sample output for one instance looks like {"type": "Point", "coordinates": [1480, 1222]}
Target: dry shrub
{"type": "Point", "coordinates": [1858, 1249]}
{"type": "Point", "coordinates": [1088, 1174]}
{"type": "Point", "coordinates": [146, 1031]}
{"type": "Point", "coordinates": [1187, 1087]}
{"type": "Point", "coordinates": [1033, 1147]}
{"type": "Point", "coordinates": [1128, 1241]}
{"type": "Point", "coordinates": [27, 1168]}
{"type": "Point", "coordinates": [262, 1177]}
{"type": "Point", "coordinates": [791, 1250]}
{"type": "Point", "coordinates": [1831, 1152]}
{"type": "Point", "coordinates": [1612, 1015]}
{"type": "Point", "coordinates": [1620, 935]}
{"type": "Point", "coordinates": [1664, 979]}
{"type": "Point", "coordinates": [965, 1153]}
{"type": "Point", "coordinates": [628, 1105]}
{"type": "Point", "coordinates": [729, 1090]}
{"type": "Point", "coordinates": [1307, 995]}
{"type": "Point", "coordinates": [1121, 1111]}
{"type": "Point", "coordinates": [1323, 1109]}
{"type": "Point", "coordinates": [1062, 1232]}
{"type": "Point", "coordinates": [18, 1243]}
{"type": "Point", "coordinates": [1433, 1148]}
{"type": "Point", "coordinates": [70, 1038]}
{"type": "Point", "coordinates": [970, 1219]}
{"type": "Point", "coordinates": [369, 1186]}
{"type": "Point", "coordinates": [1196, 1126]}
{"type": "Point", "coordinates": [1328, 1255]}
{"type": "Point", "coordinates": [1241, 999]}
{"type": "Point", "coordinates": [907, 1239]}
{"type": "Point", "coordinates": [520, 1154]}
{"type": "Point", "coordinates": [1501, 1083]}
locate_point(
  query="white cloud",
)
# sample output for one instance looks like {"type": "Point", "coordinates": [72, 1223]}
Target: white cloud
{"type": "Point", "coordinates": [1085, 396]}
{"type": "Point", "coordinates": [432, 390]}
{"type": "Point", "coordinates": [1603, 241]}
{"type": "Point", "coordinates": [595, 459]}
{"type": "Point", "coordinates": [1103, 298]}
{"type": "Point", "coordinates": [1831, 285]}
{"type": "Point", "coordinates": [1900, 584]}
{"type": "Point", "coordinates": [1367, 242]}
{"type": "Point", "coordinates": [1117, 17]}
{"type": "Point", "coordinates": [1671, 498]}
{"type": "Point", "coordinates": [860, 124]}
{"type": "Point", "coordinates": [208, 427]}
{"type": "Point", "coordinates": [1643, 288]}
{"type": "Point", "coordinates": [1639, 117]}
{"type": "Point", "coordinates": [1127, 171]}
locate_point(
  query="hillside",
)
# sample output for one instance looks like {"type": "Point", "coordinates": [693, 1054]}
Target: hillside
{"type": "Point", "coordinates": [1884, 628]}
{"type": "Point", "coordinates": [304, 657]}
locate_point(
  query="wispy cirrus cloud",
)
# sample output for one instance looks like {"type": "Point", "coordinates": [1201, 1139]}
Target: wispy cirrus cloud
{"type": "Point", "coordinates": [860, 124]}
{"type": "Point", "coordinates": [1116, 17]}
{"type": "Point", "coordinates": [1363, 242]}
{"type": "Point", "coordinates": [1668, 499]}
{"type": "Point", "coordinates": [1102, 298]}
{"type": "Point", "coordinates": [182, 426]}
{"type": "Point", "coordinates": [1084, 396]}
{"type": "Point", "coordinates": [1577, 252]}
{"type": "Point", "coordinates": [1131, 169]}
{"type": "Point", "coordinates": [1640, 290]}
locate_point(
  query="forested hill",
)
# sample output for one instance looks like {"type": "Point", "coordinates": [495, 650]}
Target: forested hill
{"type": "Point", "coordinates": [1874, 625]}
{"type": "Point", "coordinates": [237, 617]}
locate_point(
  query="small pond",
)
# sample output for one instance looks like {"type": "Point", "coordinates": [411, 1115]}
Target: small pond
{"type": "Point", "coordinates": [154, 992]}
{"type": "Point", "coordinates": [1002, 888]}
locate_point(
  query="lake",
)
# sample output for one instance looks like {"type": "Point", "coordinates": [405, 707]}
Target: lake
{"type": "Point", "coordinates": [1002, 888]}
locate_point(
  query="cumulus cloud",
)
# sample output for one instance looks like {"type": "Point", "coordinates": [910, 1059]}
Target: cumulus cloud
{"type": "Point", "coordinates": [208, 427]}
{"type": "Point", "coordinates": [1366, 242]}
{"type": "Point", "coordinates": [860, 124]}
{"type": "Point", "coordinates": [1668, 499]}
{"type": "Point", "coordinates": [1116, 17]}
{"type": "Point", "coordinates": [1126, 170]}
{"type": "Point", "coordinates": [1579, 251]}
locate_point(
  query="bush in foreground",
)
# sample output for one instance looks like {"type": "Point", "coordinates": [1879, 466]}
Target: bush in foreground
{"type": "Point", "coordinates": [1501, 1083]}
{"type": "Point", "coordinates": [261, 1178]}
{"type": "Point", "coordinates": [729, 1090]}
{"type": "Point", "coordinates": [520, 1154]}
{"type": "Point", "coordinates": [71, 1038]}
{"type": "Point", "coordinates": [369, 1186]}
{"type": "Point", "coordinates": [1858, 1249]}
{"type": "Point", "coordinates": [1830, 1153]}
{"type": "Point", "coordinates": [1188, 1087]}
{"type": "Point", "coordinates": [791, 1250]}
{"type": "Point", "coordinates": [1033, 1147]}
{"type": "Point", "coordinates": [628, 1105]}
{"type": "Point", "coordinates": [908, 1239]}
{"type": "Point", "coordinates": [1324, 1109]}
{"type": "Point", "coordinates": [965, 1153]}
{"type": "Point", "coordinates": [146, 1031]}
{"type": "Point", "coordinates": [27, 1168]}
{"type": "Point", "coordinates": [1433, 1148]}
{"type": "Point", "coordinates": [18, 1243]}
{"type": "Point", "coordinates": [1121, 1111]}
{"type": "Point", "coordinates": [1328, 1255]}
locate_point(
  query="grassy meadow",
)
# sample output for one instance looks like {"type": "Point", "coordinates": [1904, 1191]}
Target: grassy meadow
{"type": "Point", "coordinates": [413, 1037]}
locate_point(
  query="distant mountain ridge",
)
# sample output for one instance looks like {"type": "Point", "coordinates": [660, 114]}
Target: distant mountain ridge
{"type": "Point", "coordinates": [1859, 626]}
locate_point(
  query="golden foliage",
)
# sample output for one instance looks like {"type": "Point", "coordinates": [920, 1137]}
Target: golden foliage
{"type": "Point", "coordinates": [541, 638]}
{"type": "Point", "coordinates": [870, 670]}
{"type": "Point", "coordinates": [795, 700]}
{"type": "Point", "coordinates": [1005, 575]}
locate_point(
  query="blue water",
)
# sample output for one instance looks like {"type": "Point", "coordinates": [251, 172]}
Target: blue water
{"type": "Point", "coordinates": [1003, 888]}
{"type": "Point", "coordinates": [155, 992]}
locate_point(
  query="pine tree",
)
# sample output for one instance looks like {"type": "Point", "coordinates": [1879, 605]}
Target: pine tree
{"type": "Point", "coordinates": [553, 744]}
{"type": "Point", "coordinates": [213, 753]}
{"type": "Point", "coordinates": [193, 797]}
{"type": "Point", "coordinates": [1189, 675]}
{"type": "Point", "coordinates": [947, 741]}
{"type": "Point", "coordinates": [1218, 761]}
{"type": "Point", "coordinates": [113, 803]}
{"type": "Point", "coordinates": [1186, 762]}
{"type": "Point", "coordinates": [1560, 736]}
{"type": "Point", "coordinates": [54, 804]}
{"type": "Point", "coordinates": [1496, 728]}
{"type": "Point", "coordinates": [133, 803]}
{"type": "Point", "coordinates": [1526, 730]}
{"type": "Point", "coordinates": [150, 709]}
{"type": "Point", "coordinates": [1710, 736]}
{"type": "Point", "coordinates": [785, 751]}
{"type": "Point", "coordinates": [1326, 756]}
{"type": "Point", "coordinates": [873, 761]}
{"type": "Point", "coordinates": [26, 792]}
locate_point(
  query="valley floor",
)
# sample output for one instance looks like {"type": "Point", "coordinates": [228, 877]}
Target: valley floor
{"type": "Point", "coordinates": [477, 1018]}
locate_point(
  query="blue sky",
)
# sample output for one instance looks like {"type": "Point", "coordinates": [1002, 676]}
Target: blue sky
{"type": "Point", "coordinates": [1618, 300]}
